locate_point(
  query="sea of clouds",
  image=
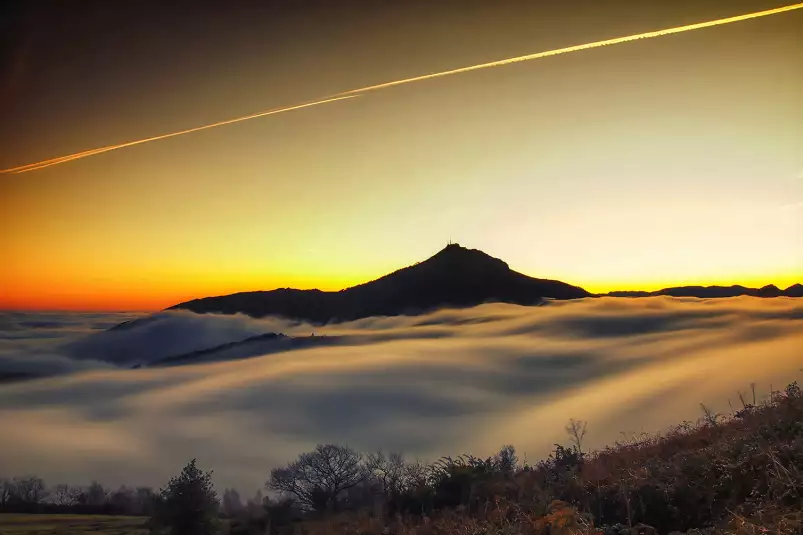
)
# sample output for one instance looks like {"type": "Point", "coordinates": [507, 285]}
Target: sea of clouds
{"type": "Point", "coordinates": [444, 383]}
{"type": "Point", "coordinates": [32, 344]}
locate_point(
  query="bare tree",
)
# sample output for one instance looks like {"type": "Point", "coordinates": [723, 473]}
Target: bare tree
{"type": "Point", "coordinates": [317, 478]}
{"type": "Point", "coordinates": [256, 505]}
{"type": "Point", "coordinates": [7, 491]}
{"type": "Point", "coordinates": [123, 500]}
{"type": "Point", "coordinates": [389, 471]}
{"type": "Point", "coordinates": [95, 494]}
{"type": "Point", "coordinates": [144, 500]}
{"type": "Point", "coordinates": [232, 503]}
{"type": "Point", "coordinates": [416, 474]}
{"type": "Point", "coordinates": [29, 489]}
{"type": "Point", "coordinates": [65, 494]}
{"type": "Point", "coordinates": [576, 429]}
{"type": "Point", "coordinates": [506, 459]}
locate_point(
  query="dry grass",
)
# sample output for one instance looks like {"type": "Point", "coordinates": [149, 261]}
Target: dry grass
{"type": "Point", "coordinates": [740, 474]}
{"type": "Point", "coordinates": [25, 524]}
{"type": "Point", "coordinates": [500, 518]}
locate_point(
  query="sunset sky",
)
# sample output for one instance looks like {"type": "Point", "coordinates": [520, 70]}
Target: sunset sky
{"type": "Point", "coordinates": [668, 161]}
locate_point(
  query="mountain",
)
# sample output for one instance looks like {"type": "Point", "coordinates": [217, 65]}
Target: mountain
{"type": "Point", "coordinates": [455, 277]}
{"type": "Point", "coordinates": [709, 292]}
{"type": "Point", "coordinates": [770, 290]}
{"type": "Point", "coordinates": [267, 343]}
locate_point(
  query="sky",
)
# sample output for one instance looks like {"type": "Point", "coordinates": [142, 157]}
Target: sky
{"type": "Point", "coordinates": [674, 160]}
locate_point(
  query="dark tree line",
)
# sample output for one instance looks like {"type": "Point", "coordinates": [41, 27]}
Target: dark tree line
{"type": "Point", "coordinates": [335, 478]}
{"type": "Point", "coordinates": [30, 494]}
{"type": "Point", "coordinates": [329, 479]}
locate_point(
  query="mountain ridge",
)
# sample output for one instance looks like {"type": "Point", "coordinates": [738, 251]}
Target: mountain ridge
{"type": "Point", "coordinates": [455, 276]}
{"type": "Point", "coordinates": [714, 292]}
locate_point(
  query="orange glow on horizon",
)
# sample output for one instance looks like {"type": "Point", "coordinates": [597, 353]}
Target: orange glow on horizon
{"type": "Point", "coordinates": [139, 297]}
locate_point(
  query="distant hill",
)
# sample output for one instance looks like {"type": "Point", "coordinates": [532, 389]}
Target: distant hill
{"type": "Point", "coordinates": [455, 277]}
{"type": "Point", "coordinates": [770, 290]}
{"type": "Point", "coordinates": [796, 290]}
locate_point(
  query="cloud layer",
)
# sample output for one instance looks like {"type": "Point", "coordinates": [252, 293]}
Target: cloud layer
{"type": "Point", "coordinates": [448, 382]}
{"type": "Point", "coordinates": [32, 344]}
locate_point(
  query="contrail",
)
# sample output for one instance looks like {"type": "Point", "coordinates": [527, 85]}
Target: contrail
{"type": "Point", "coordinates": [84, 154]}
{"type": "Point", "coordinates": [355, 92]}
{"type": "Point", "coordinates": [577, 48]}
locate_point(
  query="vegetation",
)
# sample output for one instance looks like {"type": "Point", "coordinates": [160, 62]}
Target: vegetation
{"type": "Point", "coordinates": [740, 473]}
{"type": "Point", "coordinates": [29, 494]}
{"type": "Point", "coordinates": [44, 524]}
{"type": "Point", "coordinates": [189, 504]}
{"type": "Point", "coordinates": [319, 478]}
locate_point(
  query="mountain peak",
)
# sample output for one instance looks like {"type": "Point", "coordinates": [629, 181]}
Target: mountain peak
{"type": "Point", "coordinates": [770, 290]}
{"type": "Point", "coordinates": [458, 256]}
{"type": "Point", "coordinates": [796, 290]}
{"type": "Point", "coordinates": [454, 277]}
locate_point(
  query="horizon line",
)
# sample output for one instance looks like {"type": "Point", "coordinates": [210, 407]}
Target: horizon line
{"type": "Point", "coordinates": [592, 295]}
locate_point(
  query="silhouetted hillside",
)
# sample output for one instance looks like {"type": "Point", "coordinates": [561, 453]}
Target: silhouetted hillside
{"type": "Point", "coordinates": [716, 291]}
{"type": "Point", "coordinates": [253, 346]}
{"type": "Point", "coordinates": [455, 276]}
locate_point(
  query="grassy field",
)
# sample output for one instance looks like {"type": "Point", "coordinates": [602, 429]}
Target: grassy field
{"type": "Point", "coordinates": [14, 524]}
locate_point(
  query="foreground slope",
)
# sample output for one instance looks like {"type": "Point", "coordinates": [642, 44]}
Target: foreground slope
{"type": "Point", "coordinates": [739, 474]}
{"type": "Point", "coordinates": [455, 276]}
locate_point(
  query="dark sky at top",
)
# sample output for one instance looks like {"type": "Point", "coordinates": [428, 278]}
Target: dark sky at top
{"type": "Point", "coordinates": [94, 63]}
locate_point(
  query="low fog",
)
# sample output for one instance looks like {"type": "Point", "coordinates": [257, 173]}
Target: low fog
{"type": "Point", "coordinates": [34, 344]}
{"type": "Point", "coordinates": [445, 383]}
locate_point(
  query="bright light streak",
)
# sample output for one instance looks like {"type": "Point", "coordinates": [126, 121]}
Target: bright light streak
{"type": "Point", "coordinates": [355, 92]}
{"type": "Point", "coordinates": [77, 155]}
{"type": "Point", "coordinates": [577, 48]}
